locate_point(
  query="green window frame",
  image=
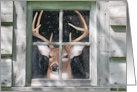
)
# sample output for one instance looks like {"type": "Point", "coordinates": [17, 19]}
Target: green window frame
{"type": "Point", "coordinates": [60, 6]}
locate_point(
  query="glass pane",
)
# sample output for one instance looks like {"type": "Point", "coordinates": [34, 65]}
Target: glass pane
{"type": "Point", "coordinates": [49, 24]}
{"type": "Point", "coordinates": [72, 17]}
{"type": "Point", "coordinates": [75, 62]}
{"type": "Point", "coordinates": [45, 62]}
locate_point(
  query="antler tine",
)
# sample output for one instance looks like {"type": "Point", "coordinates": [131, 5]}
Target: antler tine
{"type": "Point", "coordinates": [39, 18]}
{"type": "Point", "coordinates": [70, 37]}
{"type": "Point", "coordinates": [51, 36]}
{"type": "Point", "coordinates": [84, 29]}
{"type": "Point", "coordinates": [82, 20]}
{"type": "Point", "coordinates": [35, 31]}
{"type": "Point", "coordinates": [34, 19]}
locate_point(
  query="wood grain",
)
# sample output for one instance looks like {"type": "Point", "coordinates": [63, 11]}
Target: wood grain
{"type": "Point", "coordinates": [19, 55]}
{"type": "Point", "coordinates": [118, 72]}
{"type": "Point", "coordinates": [118, 21]}
{"type": "Point", "coordinates": [6, 39]}
{"type": "Point", "coordinates": [6, 11]}
{"type": "Point", "coordinates": [93, 44]}
{"type": "Point", "coordinates": [59, 89]}
{"type": "Point", "coordinates": [118, 41]}
{"type": "Point", "coordinates": [117, 3]}
{"type": "Point", "coordinates": [6, 72]}
{"type": "Point", "coordinates": [103, 43]}
{"type": "Point", "coordinates": [117, 12]}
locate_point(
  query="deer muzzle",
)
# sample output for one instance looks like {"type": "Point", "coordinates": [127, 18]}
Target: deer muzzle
{"type": "Point", "coordinates": [54, 67]}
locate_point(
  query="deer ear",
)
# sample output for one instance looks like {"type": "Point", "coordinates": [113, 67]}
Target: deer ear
{"type": "Point", "coordinates": [44, 50]}
{"type": "Point", "coordinates": [76, 51]}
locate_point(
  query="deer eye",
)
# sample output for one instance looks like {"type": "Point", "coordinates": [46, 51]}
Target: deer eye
{"type": "Point", "coordinates": [66, 56]}
{"type": "Point", "coordinates": [50, 56]}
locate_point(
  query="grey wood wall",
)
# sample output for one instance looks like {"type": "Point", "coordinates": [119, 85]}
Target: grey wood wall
{"type": "Point", "coordinates": [13, 43]}
{"type": "Point", "coordinates": [111, 27]}
{"type": "Point", "coordinates": [6, 42]}
{"type": "Point", "coordinates": [117, 52]}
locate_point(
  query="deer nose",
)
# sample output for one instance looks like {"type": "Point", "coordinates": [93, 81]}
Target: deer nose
{"type": "Point", "coordinates": [54, 68]}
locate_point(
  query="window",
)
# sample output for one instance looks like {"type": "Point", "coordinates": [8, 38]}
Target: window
{"type": "Point", "coordinates": [55, 19]}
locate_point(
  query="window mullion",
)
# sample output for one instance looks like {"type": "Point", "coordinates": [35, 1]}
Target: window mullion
{"type": "Point", "coordinates": [60, 41]}
{"type": "Point", "coordinates": [43, 43]}
{"type": "Point", "coordinates": [77, 43]}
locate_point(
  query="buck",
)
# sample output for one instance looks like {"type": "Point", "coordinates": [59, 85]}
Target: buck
{"type": "Point", "coordinates": [68, 52]}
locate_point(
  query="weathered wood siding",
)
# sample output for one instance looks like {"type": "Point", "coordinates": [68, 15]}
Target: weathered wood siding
{"type": "Point", "coordinates": [19, 55]}
{"type": "Point", "coordinates": [117, 10]}
{"type": "Point", "coordinates": [117, 72]}
{"type": "Point", "coordinates": [13, 42]}
{"type": "Point", "coordinates": [118, 41]}
{"type": "Point", "coordinates": [7, 11]}
{"type": "Point", "coordinates": [6, 39]}
{"type": "Point", "coordinates": [61, 89]}
{"type": "Point", "coordinates": [6, 26]}
{"type": "Point", "coordinates": [93, 40]}
{"type": "Point", "coordinates": [6, 42]}
{"type": "Point", "coordinates": [117, 29]}
{"type": "Point", "coordinates": [6, 72]}
{"type": "Point", "coordinates": [103, 43]}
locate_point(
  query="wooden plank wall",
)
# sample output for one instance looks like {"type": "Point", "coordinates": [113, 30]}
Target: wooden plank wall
{"type": "Point", "coordinates": [19, 55]}
{"type": "Point", "coordinates": [13, 43]}
{"type": "Point", "coordinates": [6, 39]}
{"type": "Point", "coordinates": [117, 68]}
{"type": "Point", "coordinates": [6, 42]}
{"type": "Point", "coordinates": [6, 72]}
{"type": "Point", "coordinates": [103, 43]}
{"type": "Point", "coordinates": [117, 11]}
{"type": "Point", "coordinates": [7, 11]}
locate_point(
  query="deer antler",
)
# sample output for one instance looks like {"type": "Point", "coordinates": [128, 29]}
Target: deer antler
{"type": "Point", "coordinates": [35, 31]}
{"type": "Point", "coordinates": [84, 29]}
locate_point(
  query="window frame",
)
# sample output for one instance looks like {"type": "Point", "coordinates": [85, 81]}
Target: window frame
{"type": "Point", "coordinates": [47, 5]}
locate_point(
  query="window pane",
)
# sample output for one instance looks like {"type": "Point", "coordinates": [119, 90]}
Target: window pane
{"type": "Point", "coordinates": [49, 24]}
{"type": "Point", "coordinates": [45, 62]}
{"type": "Point", "coordinates": [75, 62]}
{"type": "Point", "coordinates": [72, 17]}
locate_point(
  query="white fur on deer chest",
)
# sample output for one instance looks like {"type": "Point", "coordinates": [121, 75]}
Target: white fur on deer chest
{"type": "Point", "coordinates": [56, 76]}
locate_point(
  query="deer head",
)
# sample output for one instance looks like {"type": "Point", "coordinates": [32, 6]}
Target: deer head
{"type": "Point", "coordinates": [68, 52]}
